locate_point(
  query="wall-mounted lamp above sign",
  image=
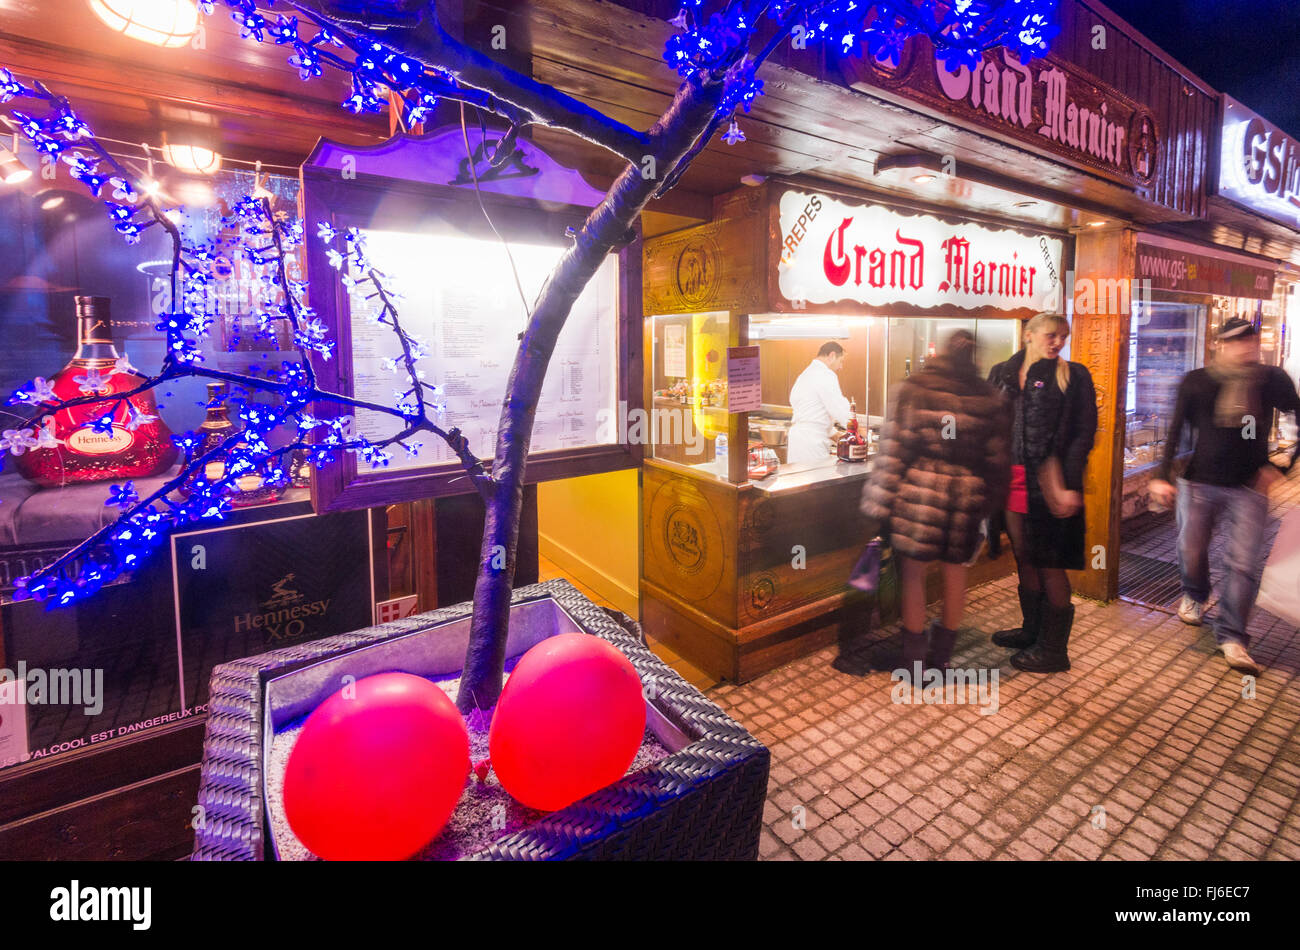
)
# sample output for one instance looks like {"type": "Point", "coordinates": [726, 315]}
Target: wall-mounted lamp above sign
{"type": "Point", "coordinates": [168, 23]}
{"type": "Point", "coordinates": [1259, 165]}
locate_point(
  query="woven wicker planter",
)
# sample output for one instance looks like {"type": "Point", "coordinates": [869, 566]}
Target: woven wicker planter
{"type": "Point", "coordinates": [704, 801]}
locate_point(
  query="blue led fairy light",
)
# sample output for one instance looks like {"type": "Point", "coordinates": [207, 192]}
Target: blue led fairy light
{"type": "Point", "coordinates": [712, 47]}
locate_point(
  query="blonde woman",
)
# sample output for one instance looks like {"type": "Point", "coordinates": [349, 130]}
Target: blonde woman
{"type": "Point", "coordinates": [1055, 421]}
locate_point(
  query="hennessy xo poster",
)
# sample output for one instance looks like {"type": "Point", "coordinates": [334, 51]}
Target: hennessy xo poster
{"type": "Point", "coordinates": [247, 589]}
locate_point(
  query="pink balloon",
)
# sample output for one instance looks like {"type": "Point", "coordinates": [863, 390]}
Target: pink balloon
{"type": "Point", "coordinates": [377, 769]}
{"type": "Point", "coordinates": [569, 722]}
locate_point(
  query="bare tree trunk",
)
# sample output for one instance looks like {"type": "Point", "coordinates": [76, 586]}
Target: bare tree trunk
{"type": "Point", "coordinates": [605, 228]}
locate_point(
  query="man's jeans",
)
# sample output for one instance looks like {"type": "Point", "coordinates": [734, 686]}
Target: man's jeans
{"type": "Point", "coordinates": [1199, 506]}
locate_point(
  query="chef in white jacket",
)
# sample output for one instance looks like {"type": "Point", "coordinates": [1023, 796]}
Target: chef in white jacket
{"type": "Point", "coordinates": [818, 404]}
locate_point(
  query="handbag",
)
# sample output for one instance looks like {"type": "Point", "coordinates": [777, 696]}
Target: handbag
{"type": "Point", "coordinates": [876, 573]}
{"type": "Point", "coordinates": [1279, 587]}
{"type": "Point", "coordinates": [865, 575]}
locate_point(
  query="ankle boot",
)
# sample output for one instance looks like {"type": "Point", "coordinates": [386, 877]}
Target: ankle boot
{"type": "Point", "coordinates": [1031, 610]}
{"type": "Point", "coordinates": [915, 646]}
{"type": "Point", "coordinates": [942, 641]}
{"type": "Point", "coordinates": [1050, 654]}
{"type": "Point", "coordinates": [904, 650]}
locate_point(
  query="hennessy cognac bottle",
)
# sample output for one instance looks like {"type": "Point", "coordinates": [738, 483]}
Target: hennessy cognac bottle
{"type": "Point", "coordinates": [247, 490]}
{"type": "Point", "coordinates": [133, 443]}
{"type": "Point", "coordinates": [212, 432]}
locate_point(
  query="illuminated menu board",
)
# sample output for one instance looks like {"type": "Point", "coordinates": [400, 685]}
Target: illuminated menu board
{"type": "Point", "coordinates": [459, 298]}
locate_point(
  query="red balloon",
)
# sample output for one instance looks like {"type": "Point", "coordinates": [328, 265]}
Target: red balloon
{"type": "Point", "coordinates": [377, 769]}
{"type": "Point", "coordinates": [569, 722]}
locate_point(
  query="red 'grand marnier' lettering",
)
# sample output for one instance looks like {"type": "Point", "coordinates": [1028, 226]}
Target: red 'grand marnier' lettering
{"type": "Point", "coordinates": [899, 268]}
{"type": "Point", "coordinates": [902, 267]}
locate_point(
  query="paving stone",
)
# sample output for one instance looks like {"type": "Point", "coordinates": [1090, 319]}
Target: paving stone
{"type": "Point", "coordinates": [1147, 725]}
{"type": "Point", "coordinates": [875, 844]}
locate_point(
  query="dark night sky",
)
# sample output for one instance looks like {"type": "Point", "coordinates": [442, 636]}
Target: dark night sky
{"type": "Point", "coordinates": [1249, 49]}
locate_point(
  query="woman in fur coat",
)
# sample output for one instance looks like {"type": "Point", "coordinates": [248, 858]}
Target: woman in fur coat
{"type": "Point", "coordinates": [943, 466]}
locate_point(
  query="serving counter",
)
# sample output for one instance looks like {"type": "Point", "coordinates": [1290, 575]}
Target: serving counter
{"type": "Point", "coordinates": [739, 579]}
{"type": "Point", "coordinates": [743, 570]}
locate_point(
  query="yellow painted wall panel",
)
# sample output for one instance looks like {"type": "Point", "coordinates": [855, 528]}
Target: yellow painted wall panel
{"type": "Point", "coordinates": [590, 528]}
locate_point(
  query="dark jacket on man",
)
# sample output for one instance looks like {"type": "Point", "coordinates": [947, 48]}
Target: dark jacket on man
{"type": "Point", "coordinates": [943, 463]}
{"type": "Point", "coordinates": [1048, 422]}
{"type": "Point", "coordinates": [1225, 455]}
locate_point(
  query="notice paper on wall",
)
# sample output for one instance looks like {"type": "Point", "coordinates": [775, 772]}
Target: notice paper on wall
{"type": "Point", "coordinates": [460, 300]}
{"type": "Point", "coordinates": [744, 384]}
{"type": "Point", "coordinates": [675, 350]}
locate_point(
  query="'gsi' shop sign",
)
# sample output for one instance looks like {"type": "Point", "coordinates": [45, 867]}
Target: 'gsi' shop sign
{"type": "Point", "coordinates": [834, 252]}
{"type": "Point", "coordinates": [1259, 165]}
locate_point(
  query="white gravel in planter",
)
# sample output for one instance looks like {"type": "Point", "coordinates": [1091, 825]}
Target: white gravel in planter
{"type": "Point", "coordinates": [484, 813]}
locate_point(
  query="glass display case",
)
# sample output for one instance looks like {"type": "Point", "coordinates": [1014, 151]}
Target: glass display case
{"type": "Point", "coordinates": [688, 399]}
{"type": "Point", "coordinates": [1166, 342]}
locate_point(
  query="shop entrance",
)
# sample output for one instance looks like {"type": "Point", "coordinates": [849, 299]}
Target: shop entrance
{"type": "Point", "coordinates": [1167, 340]}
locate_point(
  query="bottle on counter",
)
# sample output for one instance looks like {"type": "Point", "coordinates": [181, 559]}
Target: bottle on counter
{"type": "Point", "coordinates": [852, 447]}
{"type": "Point", "coordinates": [248, 490]}
{"type": "Point", "coordinates": [720, 454]}
{"type": "Point", "coordinates": [80, 445]}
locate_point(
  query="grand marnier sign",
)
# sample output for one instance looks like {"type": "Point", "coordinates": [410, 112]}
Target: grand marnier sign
{"type": "Point", "coordinates": [1049, 104]}
{"type": "Point", "coordinates": [835, 252]}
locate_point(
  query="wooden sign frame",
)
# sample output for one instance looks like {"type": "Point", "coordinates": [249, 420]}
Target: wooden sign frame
{"type": "Point", "coordinates": [404, 185]}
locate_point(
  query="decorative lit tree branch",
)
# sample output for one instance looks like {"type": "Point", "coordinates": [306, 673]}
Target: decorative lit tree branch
{"type": "Point", "coordinates": [400, 46]}
{"type": "Point", "coordinates": [264, 239]}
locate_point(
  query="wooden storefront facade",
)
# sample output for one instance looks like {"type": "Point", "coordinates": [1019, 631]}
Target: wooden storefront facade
{"type": "Point", "coordinates": [907, 138]}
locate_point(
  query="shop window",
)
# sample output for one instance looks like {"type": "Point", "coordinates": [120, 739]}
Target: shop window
{"type": "Point", "coordinates": [689, 383]}
{"type": "Point", "coordinates": [1166, 341]}
{"type": "Point", "coordinates": [688, 410]}
{"type": "Point", "coordinates": [139, 654]}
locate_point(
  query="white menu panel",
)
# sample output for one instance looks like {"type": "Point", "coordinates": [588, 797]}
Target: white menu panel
{"type": "Point", "coordinates": [460, 300]}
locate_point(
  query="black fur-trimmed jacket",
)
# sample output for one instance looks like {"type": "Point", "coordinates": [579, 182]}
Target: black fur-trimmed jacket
{"type": "Point", "coordinates": [943, 463]}
{"type": "Point", "coordinates": [1048, 422]}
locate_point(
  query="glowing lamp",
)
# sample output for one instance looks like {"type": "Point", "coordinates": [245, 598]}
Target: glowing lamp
{"type": "Point", "coordinates": [12, 169]}
{"type": "Point", "coordinates": [192, 159]}
{"type": "Point", "coordinates": [168, 23]}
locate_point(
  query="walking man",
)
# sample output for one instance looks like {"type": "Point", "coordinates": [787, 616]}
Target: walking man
{"type": "Point", "coordinates": [1229, 406]}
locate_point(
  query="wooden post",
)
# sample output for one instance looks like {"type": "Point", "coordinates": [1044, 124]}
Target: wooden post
{"type": "Point", "coordinates": [1105, 262]}
{"type": "Point", "coordinates": [737, 422]}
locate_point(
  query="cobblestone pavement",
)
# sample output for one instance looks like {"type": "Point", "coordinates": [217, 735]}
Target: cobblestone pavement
{"type": "Point", "coordinates": [1150, 747]}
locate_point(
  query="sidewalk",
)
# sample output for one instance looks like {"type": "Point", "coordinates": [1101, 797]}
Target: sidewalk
{"type": "Point", "coordinates": [1147, 748]}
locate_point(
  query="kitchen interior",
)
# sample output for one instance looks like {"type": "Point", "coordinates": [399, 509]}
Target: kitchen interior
{"type": "Point", "coordinates": [689, 422]}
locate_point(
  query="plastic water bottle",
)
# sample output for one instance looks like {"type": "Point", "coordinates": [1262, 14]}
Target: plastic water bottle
{"type": "Point", "coordinates": [720, 454]}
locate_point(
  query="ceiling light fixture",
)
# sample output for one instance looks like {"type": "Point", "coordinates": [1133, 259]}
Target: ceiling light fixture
{"type": "Point", "coordinates": [12, 169]}
{"type": "Point", "coordinates": [167, 23]}
{"type": "Point", "coordinates": [923, 179]}
{"type": "Point", "coordinates": [1096, 224]}
{"type": "Point", "coordinates": [194, 154]}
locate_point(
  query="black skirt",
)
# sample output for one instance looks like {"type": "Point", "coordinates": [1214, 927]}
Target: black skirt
{"type": "Point", "coordinates": [1052, 542]}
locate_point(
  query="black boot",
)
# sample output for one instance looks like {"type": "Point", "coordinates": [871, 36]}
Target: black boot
{"type": "Point", "coordinates": [1050, 653]}
{"type": "Point", "coordinates": [1031, 610]}
{"type": "Point", "coordinates": [914, 648]}
{"type": "Point", "coordinates": [901, 651]}
{"type": "Point", "coordinates": [942, 640]}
